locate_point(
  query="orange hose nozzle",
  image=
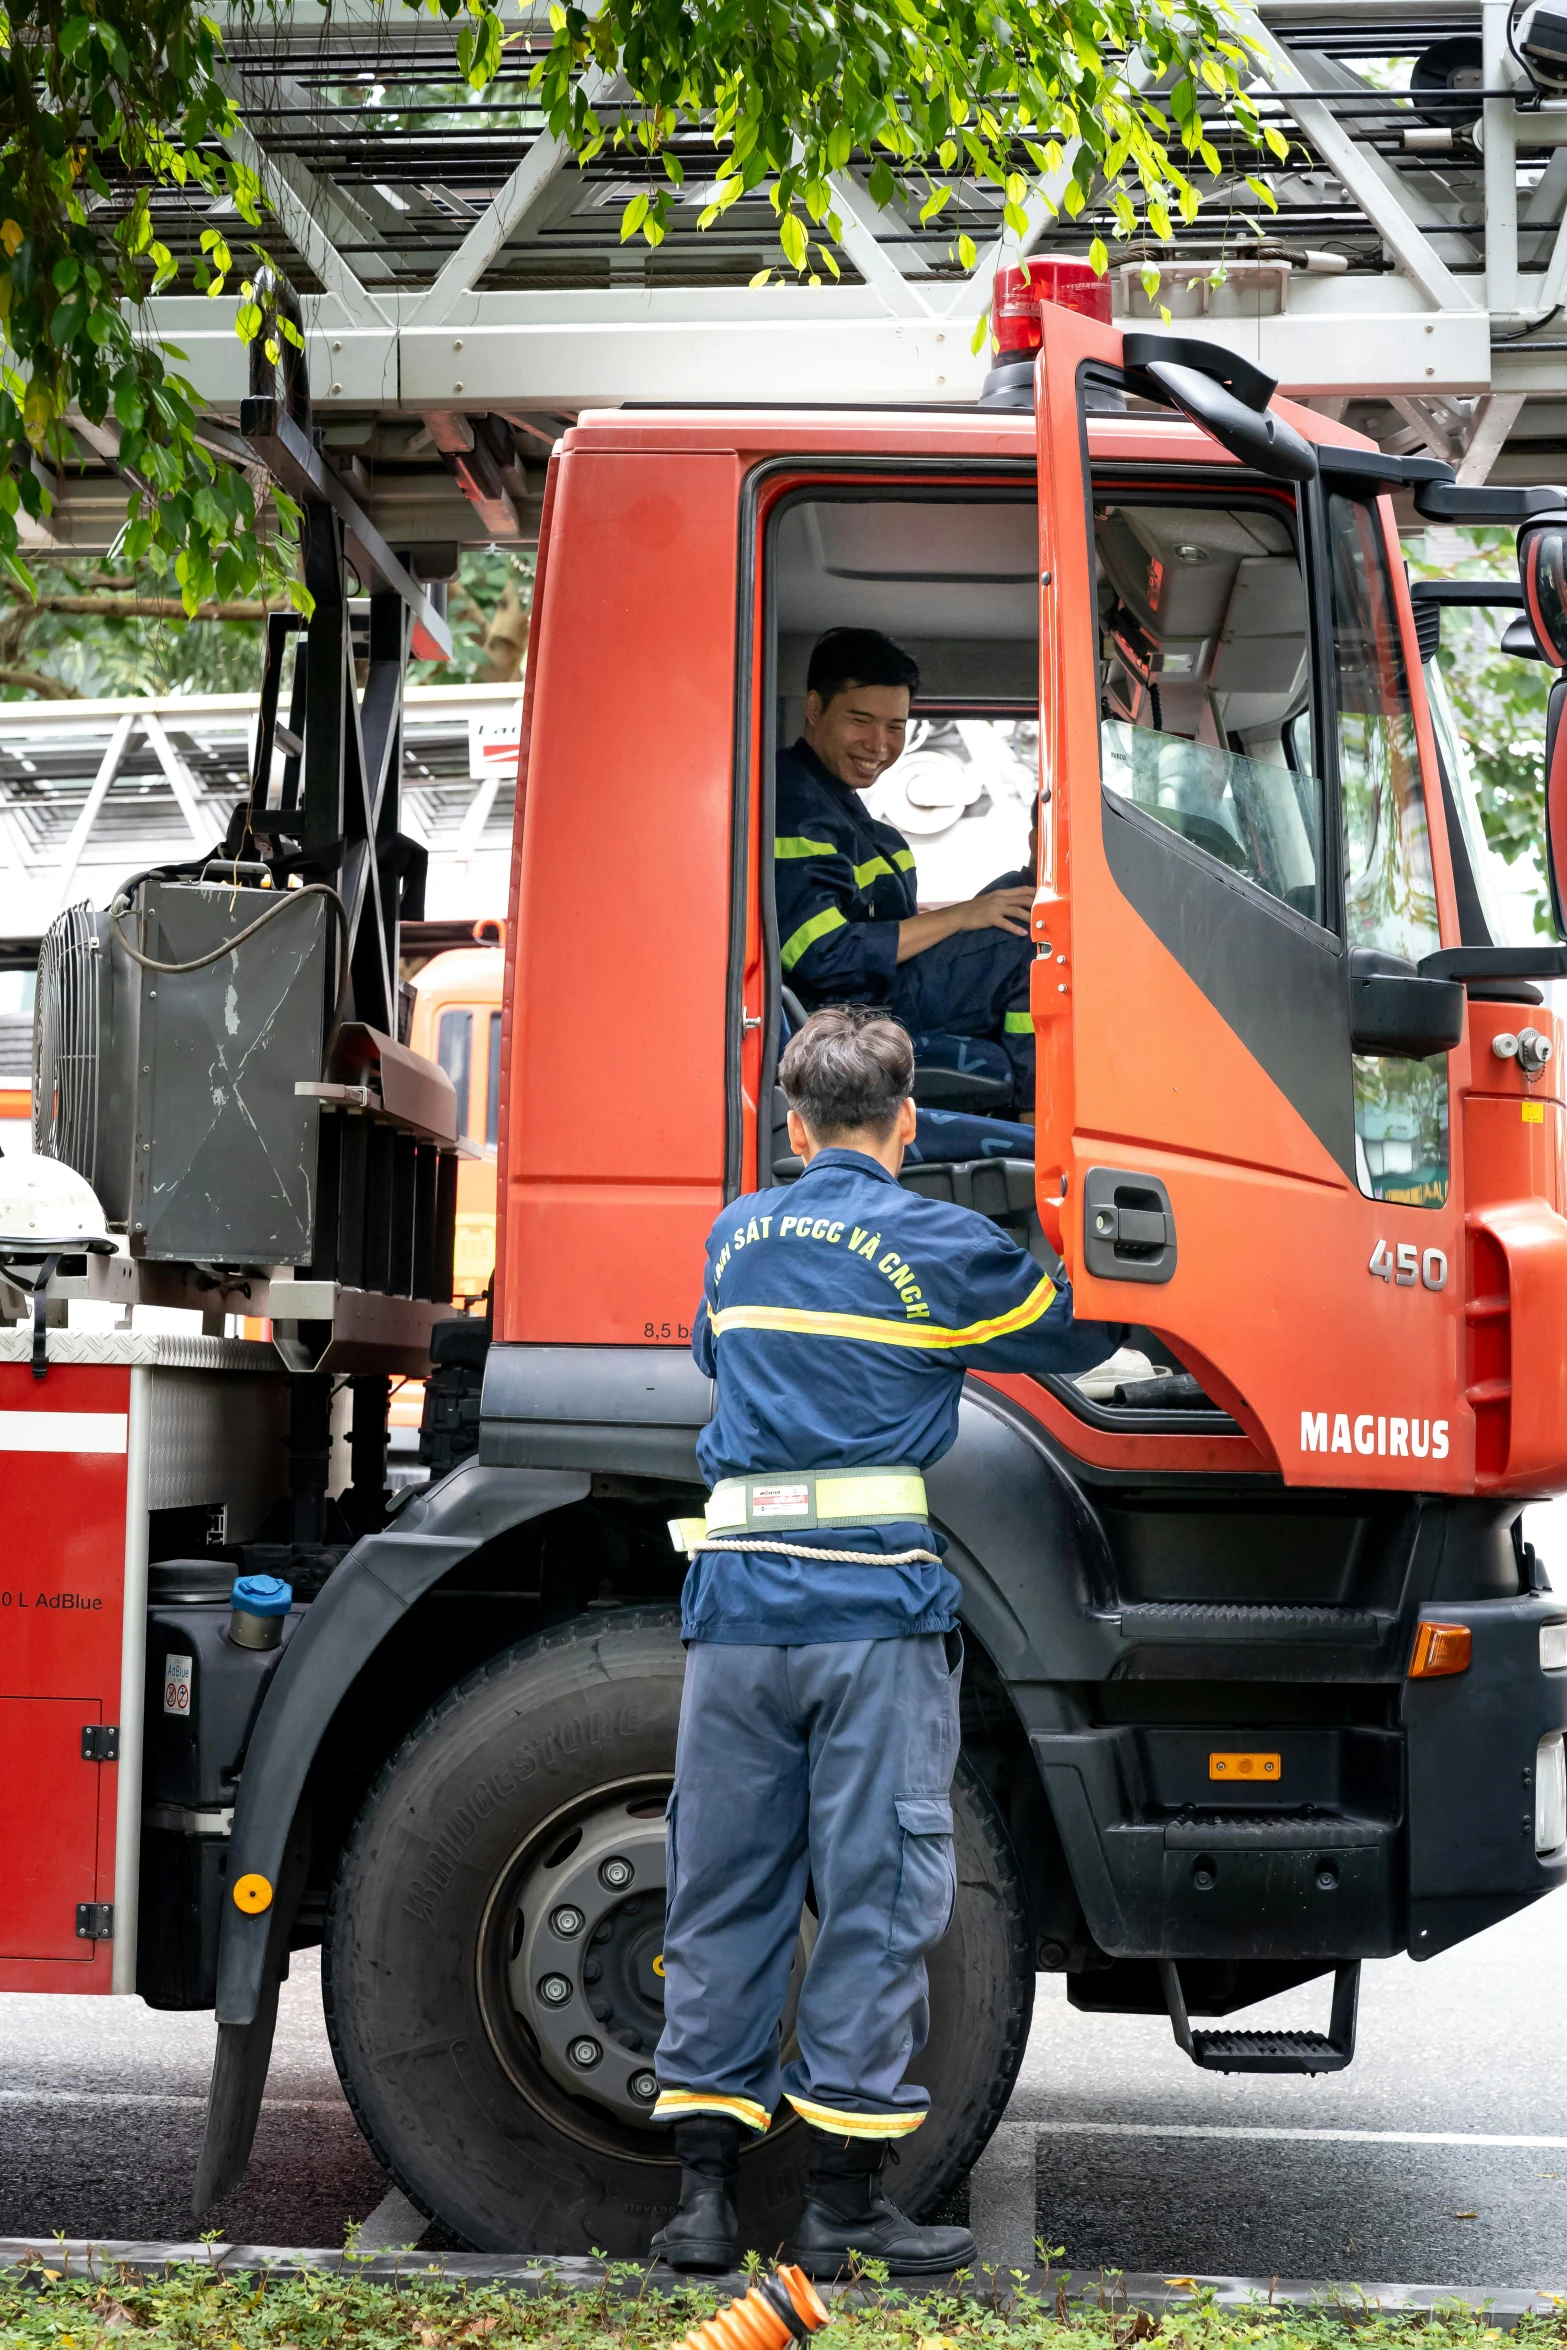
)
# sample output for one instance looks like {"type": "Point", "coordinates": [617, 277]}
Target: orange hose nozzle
{"type": "Point", "coordinates": [782, 2310]}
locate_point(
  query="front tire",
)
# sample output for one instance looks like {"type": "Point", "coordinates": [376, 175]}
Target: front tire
{"type": "Point", "coordinates": [532, 1794]}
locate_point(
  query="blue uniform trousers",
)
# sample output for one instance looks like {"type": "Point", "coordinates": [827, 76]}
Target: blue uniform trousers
{"type": "Point", "coordinates": [831, 1762]}
{"type": "Point", "coordinates": [973, 986]}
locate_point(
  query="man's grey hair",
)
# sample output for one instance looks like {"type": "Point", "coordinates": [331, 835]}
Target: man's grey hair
{"type": "Point", "coordinates": [849, 1067]}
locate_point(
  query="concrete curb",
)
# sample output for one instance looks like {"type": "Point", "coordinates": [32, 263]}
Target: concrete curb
{"type": "Point", "coordinates": [524, 2273]}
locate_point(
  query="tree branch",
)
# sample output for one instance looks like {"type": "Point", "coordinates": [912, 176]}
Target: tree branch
{"type": "Point", "coordinates": [108, 607]}
{"type": "Point", "coordinates": [39, 682]}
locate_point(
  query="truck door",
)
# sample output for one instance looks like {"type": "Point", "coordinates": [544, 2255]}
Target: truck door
{"type": "Point", "coordinates": [1235, 830]}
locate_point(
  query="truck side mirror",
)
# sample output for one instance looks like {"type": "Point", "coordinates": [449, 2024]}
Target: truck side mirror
{"type": "Point", "coordinates": [1393, 1011]}
{"type": "Point", "coordinates": [1542, 567]}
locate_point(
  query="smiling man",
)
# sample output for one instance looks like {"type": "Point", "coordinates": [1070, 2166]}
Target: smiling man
{"type": "Point", "coordinates": [849, 923]}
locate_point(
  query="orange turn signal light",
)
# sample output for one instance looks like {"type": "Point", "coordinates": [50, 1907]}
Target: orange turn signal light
{"type": "Point", "coordinates": [1439, 1649]}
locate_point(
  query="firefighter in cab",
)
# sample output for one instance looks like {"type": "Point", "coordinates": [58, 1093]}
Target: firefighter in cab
{"type": "Point", "coordinates": [819, 1722]}
{"type": "Point", "coordinates": [849, 925]}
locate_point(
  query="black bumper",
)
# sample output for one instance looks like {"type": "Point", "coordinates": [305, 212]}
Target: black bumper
{"type": "Point", "coordinates": [1374, 1842]}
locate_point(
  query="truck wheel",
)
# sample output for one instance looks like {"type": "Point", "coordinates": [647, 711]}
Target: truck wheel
{"type": "Point", "coordinates": [492, 1975]}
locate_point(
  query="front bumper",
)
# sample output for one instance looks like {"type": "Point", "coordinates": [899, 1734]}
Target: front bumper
{"type": "Point", "coordinates": [1373, 1842]}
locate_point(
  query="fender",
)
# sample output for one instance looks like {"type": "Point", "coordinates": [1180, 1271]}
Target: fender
{"type": "Point", "coordinates": [377, 1583]}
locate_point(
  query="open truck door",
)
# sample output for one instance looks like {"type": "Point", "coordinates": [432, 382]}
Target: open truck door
{"type": "Point", "coordinates": [1253, 1082]}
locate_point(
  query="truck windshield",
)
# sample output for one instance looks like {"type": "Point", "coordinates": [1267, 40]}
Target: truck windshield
{"type": "Point", "coordinates": [1401, 1107]}
{"type": "Point", "coordinates": [1204, 685]}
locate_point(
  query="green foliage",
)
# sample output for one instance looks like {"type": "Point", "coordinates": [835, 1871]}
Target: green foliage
{"type": "Point", "coordinates": [101, 102]}
{"type": "Point", "coordinates": [1048, 98]}
{"type": "Point", "coordinates": [125, 652]}
{"type": "Point", "coordinates": [106, 105]}
{"type": "Point", "coordinates": [201, 2308]}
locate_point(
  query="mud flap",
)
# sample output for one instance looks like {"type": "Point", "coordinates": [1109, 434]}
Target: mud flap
{"type": "Point", "coordinates": [244, 2051]}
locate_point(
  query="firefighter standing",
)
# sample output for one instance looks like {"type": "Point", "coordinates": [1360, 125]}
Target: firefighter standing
{"type": "Point", "coordinates": [819, 1723]}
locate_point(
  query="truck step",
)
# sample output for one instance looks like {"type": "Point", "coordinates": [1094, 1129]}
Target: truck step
{"type": "Point", "coordinates": [1269, 2052]}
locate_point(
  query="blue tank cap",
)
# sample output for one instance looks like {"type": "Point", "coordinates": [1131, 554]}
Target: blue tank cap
{"type": "Point", "coordinates": [262, 1595]}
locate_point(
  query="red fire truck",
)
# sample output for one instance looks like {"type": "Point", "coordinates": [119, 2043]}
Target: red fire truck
{"type": "Point", "coordinates": [1263, 1680]}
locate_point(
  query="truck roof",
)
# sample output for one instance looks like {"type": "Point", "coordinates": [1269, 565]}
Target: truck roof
{"type": "Point", "coordinates": [946, 431]}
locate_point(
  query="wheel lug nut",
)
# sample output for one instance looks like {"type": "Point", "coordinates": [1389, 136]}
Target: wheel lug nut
{"type": "Point", "coordinates": [568, 1921]}
{"type": "Point", "coordinates": [555, 1990]}
{"type": "Point", "coordinates": [585, 2053]}
{"type": "Point", "coordinates": [616, 1873]}
{"type": "Point", "coordinates": [644, 2087]}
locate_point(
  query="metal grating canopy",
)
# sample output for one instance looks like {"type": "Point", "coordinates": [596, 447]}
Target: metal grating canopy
{"type": "Point", "coordinates": [464, 280]}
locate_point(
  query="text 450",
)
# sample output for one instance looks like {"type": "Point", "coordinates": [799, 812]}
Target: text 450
{"type": "Point", "coordinates": [1406, 1265]}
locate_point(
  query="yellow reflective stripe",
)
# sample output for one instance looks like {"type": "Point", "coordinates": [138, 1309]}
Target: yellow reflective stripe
{"type": "Point", "coordinates": [883, 1333]}
{"type": "Point", "coordinates": [796, 845]}
{"type": "Point", "coordinates": [855, 2125]}
{"type": "Point", "coordinates": [1018, 1024]}
{"type": "Point", "coordinates": [686, 1533]}
{"type": "Point", "coordinates": [672, 2103]}
{"type": "Point", "coordinates": [904, 860]}
{"type": "Point", "coordinates": [845, 1499]}
{"type": "Point", "coordinates": [869, 870]}
{"type": "Point", "coordinates": [809, 932]}
{"type": "Point", "coordinates": [880, 1494]}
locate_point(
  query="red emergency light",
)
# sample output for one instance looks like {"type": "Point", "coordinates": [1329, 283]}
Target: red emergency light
{"type": "Point", "coordinates": [1015, 323]}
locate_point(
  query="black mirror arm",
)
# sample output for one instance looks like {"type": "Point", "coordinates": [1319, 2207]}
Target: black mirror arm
{"type": "Point", "coordinates": [1545, 962]}
{"type": "Point", "coordinates": [1450, 501]}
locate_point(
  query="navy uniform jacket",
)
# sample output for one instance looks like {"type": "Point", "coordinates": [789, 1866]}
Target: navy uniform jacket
{"type": "Point", "coordinates": [843, 884]}
{"type": "Point", "coordinates": [838, 1316]}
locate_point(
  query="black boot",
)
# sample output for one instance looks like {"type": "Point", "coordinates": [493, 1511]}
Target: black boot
{"type": "Point", "coordinates": [704, 2231]}
{"type": "Point", "coordinates": [846, 2214]}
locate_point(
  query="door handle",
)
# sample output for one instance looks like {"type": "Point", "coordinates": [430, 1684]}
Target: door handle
{"type": "Point", "coordinates": [1128, 1226]}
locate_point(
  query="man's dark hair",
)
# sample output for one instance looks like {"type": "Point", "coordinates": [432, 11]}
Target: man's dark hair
{"type": "Point", "coordinates": [848, 1067]}
{"type": "Point", "coordinates": [858, 656]}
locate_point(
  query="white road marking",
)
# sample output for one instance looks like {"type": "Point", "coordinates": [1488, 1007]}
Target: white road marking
{"type": "Point", "coordinates": [394, 2224]}
{"type": "Point", "coordinates": [149, 2097]}
{"type": "Point", "coordinates": [1003, 2197]}
{"type": "Point", "coordinates": [1293, 2137]}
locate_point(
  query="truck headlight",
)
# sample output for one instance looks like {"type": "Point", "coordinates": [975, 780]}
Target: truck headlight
{"type": "Point", "coordinates": [1553, 1647]}
{"type": "Point", "coordinates": [1550, 1797]}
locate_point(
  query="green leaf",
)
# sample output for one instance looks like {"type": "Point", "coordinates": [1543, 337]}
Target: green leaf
{"type": "Point", "coordinates": [1263, 193]}
{"type": "Point", "coordinates": [1098, 257]}
{"type": "Point", "coordinates": [65, 272]}
{"type": "Point", "coordinates": [792, 237]}
{"type": "Point", "coordinates": [633, 216]}
{"type": "Point", "coordinates": [78, 30]}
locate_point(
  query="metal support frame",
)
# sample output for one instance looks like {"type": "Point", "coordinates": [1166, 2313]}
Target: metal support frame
{"type": "Point", "coordinates": [484, 277]}
{"type": "Point", "coordinates": [335, 816]}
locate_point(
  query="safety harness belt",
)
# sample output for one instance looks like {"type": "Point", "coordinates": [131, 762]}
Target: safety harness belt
{"type": "Point", "coordinates": [794, 1501]}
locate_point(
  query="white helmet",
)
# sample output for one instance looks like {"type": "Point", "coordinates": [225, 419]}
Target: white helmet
{"type": "Point", "coordinates": [45, 1202]}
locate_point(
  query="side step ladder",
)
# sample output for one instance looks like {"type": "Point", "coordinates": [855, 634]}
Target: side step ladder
{"type": "Point", "coordinates": [1269, 2052]}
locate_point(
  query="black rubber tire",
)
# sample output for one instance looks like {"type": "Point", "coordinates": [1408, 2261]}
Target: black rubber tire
{"type": "Point", "coordinates": [504, 2161]}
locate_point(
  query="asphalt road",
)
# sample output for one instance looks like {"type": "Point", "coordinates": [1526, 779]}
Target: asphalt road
{"type": "Point", "coordinates": [1440, 2157]}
